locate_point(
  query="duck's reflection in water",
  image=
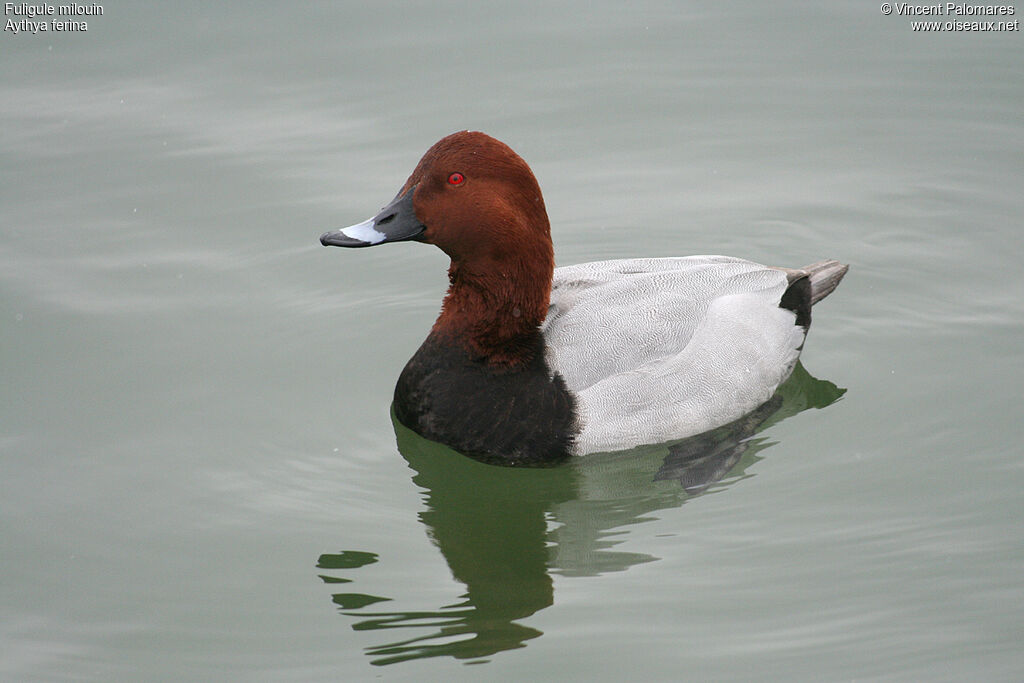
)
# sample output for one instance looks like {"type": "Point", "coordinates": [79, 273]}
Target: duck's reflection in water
{"type": "Point", "coordinates": [504, 532]}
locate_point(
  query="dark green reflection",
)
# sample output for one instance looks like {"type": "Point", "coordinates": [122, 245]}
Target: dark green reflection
{"type": "Point", "coordinates": [505, 531]}
{"type": "Point", "coordinates": [346, 559]}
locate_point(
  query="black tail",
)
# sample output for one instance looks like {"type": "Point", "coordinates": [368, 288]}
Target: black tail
{"type": "Point", "coordinates": [808, 286]}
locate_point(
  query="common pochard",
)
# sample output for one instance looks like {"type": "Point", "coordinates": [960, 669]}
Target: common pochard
{"type": "Point", "coordinates": [529, 364]}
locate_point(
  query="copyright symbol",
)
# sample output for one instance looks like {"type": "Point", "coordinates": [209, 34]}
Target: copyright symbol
{"type": "Point", "coordinates": [886, 9]}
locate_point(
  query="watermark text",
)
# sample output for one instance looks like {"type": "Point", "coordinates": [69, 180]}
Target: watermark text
{"type": "Point", "coordinates": [35, 18]}
{"type": "Point", "coordinates": [957, 16]}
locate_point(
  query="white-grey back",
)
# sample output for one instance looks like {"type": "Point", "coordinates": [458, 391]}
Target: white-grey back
{"type": "Point", "coordinates": [662, 348]}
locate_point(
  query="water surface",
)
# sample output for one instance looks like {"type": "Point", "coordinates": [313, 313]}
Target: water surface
{"type": "Point", "coordinates": [200, 474]}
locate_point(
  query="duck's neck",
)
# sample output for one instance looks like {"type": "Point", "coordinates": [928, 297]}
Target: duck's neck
{"type": "Point", "coordinates": [494, 310]}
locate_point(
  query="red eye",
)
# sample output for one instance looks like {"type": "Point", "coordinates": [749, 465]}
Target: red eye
{"type": "Point", "coordinates": [456, 179]}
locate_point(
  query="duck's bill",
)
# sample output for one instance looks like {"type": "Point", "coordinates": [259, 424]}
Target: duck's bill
{"type": "Point", "coordinates": [396, 222]}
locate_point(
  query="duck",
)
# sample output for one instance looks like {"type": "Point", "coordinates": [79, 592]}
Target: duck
{"type": "Point", "coordinates": [529, 365]}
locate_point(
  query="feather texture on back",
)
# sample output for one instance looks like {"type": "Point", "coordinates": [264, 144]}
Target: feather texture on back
{"type": "Point", "coordinates": [663, 348]}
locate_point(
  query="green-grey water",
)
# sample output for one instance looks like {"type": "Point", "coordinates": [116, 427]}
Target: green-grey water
{"type": "Point", "coordinates": [200, 478]}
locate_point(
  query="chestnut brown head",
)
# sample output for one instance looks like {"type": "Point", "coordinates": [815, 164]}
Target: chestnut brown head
{"type": "Point", "coordinates": [470, 195]}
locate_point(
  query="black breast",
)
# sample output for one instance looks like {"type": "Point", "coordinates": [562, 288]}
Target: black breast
{"type": "Point", "coordinates": [524, 416]}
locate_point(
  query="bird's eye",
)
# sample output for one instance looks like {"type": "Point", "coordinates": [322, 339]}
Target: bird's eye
{"type": "Point", "coordinates": [456, 179]}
